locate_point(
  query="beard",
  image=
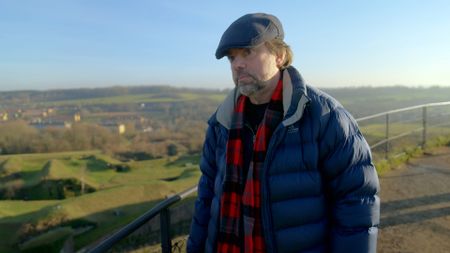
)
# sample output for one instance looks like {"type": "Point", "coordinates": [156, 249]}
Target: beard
{"type": "Point", "coordinates": [249, 87]}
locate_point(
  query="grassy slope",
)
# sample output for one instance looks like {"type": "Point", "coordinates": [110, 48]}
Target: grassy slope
{"type": "Point", "coordinates": [132, 193]}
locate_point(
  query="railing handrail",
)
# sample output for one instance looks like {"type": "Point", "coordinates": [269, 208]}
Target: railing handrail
{"type": "Point", "coordinates": [170, 200]}
{"type": "Point", "coordinates": [402, 110]}
{"type": "Point", "coordinates": [141, 220]}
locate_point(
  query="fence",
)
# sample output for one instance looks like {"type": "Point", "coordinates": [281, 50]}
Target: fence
{"type": "Point", "coordinates": [415, 122]}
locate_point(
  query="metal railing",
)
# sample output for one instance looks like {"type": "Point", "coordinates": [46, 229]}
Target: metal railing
{"type": "Point", "coordinates": [162, 208]}
{"type": "Point", "coordinates": [388, 138]}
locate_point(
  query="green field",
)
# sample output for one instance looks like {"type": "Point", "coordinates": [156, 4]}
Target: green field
{"type": "Point", "coordinates": [135, 98]}
{"type": "Point", "coordinates": [119, 197]}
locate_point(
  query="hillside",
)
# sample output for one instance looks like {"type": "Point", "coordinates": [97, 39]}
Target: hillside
{"type": "Point", "coordinates": [364, 101]}
{"type": "Point", "coordinates": [87, 193]}
{"type": "Point", "coordinates": [376, 99]}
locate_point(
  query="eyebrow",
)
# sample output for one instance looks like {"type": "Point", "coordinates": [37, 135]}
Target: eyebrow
{"type": "Point", "coordinates": [238, 51]}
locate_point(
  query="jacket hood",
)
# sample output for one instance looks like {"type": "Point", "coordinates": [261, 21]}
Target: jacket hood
{"type": "Point", "coordinates": [294, 100]}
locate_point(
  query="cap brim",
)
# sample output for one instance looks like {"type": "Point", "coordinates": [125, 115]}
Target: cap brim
{"type": "Point", "coordinates": [223, 51]}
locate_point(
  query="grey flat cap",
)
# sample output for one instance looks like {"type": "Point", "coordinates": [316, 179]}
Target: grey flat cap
{"type": "Point", "coordinates": [249, 31]}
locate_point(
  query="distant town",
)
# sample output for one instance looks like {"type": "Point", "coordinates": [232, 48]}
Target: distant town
{"type": "Point", "coordinates": [65, 117]}
{"type": "Point", "coordinates": [147, 121]}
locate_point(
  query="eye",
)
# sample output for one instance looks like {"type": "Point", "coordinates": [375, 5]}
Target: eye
{"type": "Point", "coordinates": [246, 52]}
{"type": "Point", "coordinates": [230, 58]}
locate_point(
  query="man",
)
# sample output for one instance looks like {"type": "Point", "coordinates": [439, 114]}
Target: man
{"type": "Point", "coordinates": [284, 165]}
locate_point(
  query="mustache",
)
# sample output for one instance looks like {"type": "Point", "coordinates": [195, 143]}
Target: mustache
{"type": "Point", "coordinates": [243, 73]}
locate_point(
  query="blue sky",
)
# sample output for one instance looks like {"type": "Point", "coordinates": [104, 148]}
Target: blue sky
{"type": "Point", "coordinates": [96, 43]}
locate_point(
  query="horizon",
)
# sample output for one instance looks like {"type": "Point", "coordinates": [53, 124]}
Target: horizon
{"type": "Point", "coordinates": [49, 45]}
{"type": "Point", "coordinates": [217, 89]}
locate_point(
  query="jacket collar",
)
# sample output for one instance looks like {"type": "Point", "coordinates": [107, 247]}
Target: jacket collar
{"type": "Point", "coordinates": [294, 100]}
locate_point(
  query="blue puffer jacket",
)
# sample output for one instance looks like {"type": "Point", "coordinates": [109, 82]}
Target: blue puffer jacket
{"type": "Point", "coordinates": [319, 186]}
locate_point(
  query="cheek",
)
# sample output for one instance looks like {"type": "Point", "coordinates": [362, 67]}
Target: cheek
{"type": "Point", "coordinates": [271, 67]}
{"type": "Point", "coordinates": [234, 76]}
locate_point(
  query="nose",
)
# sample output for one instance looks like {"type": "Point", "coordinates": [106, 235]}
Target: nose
{"type": "Point", "coordinates": [238, 63]}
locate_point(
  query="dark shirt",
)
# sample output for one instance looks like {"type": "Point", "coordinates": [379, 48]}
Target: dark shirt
{"type": "Point", "coordinates": [254, 114]}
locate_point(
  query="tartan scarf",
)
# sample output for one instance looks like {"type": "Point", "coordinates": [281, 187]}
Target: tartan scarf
{"type": "Point", "coordinates": [240, 227]}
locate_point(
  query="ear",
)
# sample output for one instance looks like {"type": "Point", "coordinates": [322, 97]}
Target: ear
{"type": "Point", "coordinates": [280, 59]}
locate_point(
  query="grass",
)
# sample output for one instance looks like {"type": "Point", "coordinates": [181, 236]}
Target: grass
{"type": "Point", "coordinates": [178, 245]}
{"type": "Point", "coordinates": [377, 132]}
{"type": "Point", "coordinates": [15, 214]}
{"type": "Point", "coordinates": [48, 242]}
{"type": "Point", "coordinates": [12, 209]}
{"type": "Point", "coordinates": [131, 193]}
{"type": "Point", "coordinates": [134, 99]}
{"type": "Point", "coordinates": [404, 152]}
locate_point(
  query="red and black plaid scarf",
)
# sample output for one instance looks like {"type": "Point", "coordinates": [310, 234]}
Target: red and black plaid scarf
{"type": "Point", "coordinates": [240, 212]}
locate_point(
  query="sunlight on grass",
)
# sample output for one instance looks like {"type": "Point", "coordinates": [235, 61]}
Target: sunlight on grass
{"type": "Point", "coordinates": [11, 208]}
{"type": "Point", "coordinates": [127, 193]}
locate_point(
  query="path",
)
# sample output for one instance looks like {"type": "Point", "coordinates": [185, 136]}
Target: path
{"type": "Point", "coordinates": [415, 207]}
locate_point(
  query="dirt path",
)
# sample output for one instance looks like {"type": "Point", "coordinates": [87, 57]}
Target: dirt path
{"type": "Point", "coordinates": [415, 205]}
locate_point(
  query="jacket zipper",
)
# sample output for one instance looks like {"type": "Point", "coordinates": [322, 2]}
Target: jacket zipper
{"type": "Point", "coordinates": [253, 133]}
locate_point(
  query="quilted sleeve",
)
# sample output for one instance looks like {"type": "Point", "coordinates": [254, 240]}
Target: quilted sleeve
{"type": "Point", "coordinates": [352, 184]}
{"type": "Point", "coordinates": [205, 193]}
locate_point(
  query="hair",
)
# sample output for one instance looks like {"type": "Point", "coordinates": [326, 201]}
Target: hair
{"type": "Point", "coordinates": [279, 47]}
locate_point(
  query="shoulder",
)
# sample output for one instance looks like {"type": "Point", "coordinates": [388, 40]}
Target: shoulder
{"type": "Point", "coordinates": [216, 131]}
{"type": "Point", "coordinates": [334, 122]}
{"type": "Point", "coordinates": [321, 101]}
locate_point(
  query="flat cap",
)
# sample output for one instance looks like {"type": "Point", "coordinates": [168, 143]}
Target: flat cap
{"type": "Point", "coordinates": [249, 31]}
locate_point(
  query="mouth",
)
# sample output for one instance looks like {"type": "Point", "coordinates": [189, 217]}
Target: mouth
{"type": "Point", "coordinates": [243, 77]}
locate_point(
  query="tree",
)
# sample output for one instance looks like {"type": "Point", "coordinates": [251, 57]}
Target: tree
{"type": "Point", "coordinates": [17, 137]}
{"type": "Point", "coordinates": [172, 149]}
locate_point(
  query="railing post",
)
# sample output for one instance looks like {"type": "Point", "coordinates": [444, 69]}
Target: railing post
{"type": "Point", "coordinates": [386, 150]}
{"type": "Point", "coordinates": [424, 126]}
{"type": "Point", "coordinates": [166, 241]}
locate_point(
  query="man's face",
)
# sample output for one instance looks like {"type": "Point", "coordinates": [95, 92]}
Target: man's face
{"type": "Point", "coordinates": [253, 68]}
